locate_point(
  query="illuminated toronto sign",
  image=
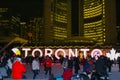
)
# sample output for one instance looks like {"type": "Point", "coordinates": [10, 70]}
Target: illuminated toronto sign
{"type": "Point", "coordinates": [69, 52]}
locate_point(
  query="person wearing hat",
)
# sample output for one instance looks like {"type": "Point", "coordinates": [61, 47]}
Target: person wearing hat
{"type": "Point", "coordinates": [18, 69]}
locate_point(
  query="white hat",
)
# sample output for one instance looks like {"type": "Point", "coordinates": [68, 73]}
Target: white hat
{"type": "Point", "coordinates": [19, 59]}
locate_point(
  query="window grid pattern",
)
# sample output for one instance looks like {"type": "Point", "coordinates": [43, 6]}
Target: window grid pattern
{"type": "Point", "coordinates": [59, 19]}
{"type": "Point", "coordinates": [96, 29]}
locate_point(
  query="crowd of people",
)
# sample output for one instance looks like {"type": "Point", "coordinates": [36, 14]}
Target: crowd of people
{"type": "Point", "coordinates": [15, 69]}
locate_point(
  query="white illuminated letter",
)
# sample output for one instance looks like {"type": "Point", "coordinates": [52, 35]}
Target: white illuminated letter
{"type": "Point", "coordinates": [26, 51]}
{"type": "Point", "coordinates": [71, 53]}
{"type": "Point", "coordinates": [59, 50]}
{"type": "Point", "coordinates": [33, 52]}
{"type": "Point", "coordinates": [84, 52]}
{"type": "Point", "coordinates": [96, 52]}
{"type": "Point", "coordinates": [48, 52]}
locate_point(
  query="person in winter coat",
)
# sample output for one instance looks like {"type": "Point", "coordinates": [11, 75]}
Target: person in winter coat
{"type": "Point", "coordinates": [18, 69]}
{"type": "Point", "coordinates": [84, 61]}
{"type": "Point", "coordinates": [48, 64]}
{"type": "Point", "coordinates": [76, 65]}
{"type": "Point", "coordinates": [86, 68]}
{"type": "Point", "coordinates": [118, 61]}
{"type": "Point", "coordinates": [35, 66]}
{"type": "Point", "coordinates": [100, 66]}
{"type": "Point", "coordinates": [9, 65]}
{"type": "Point", "coordinates": [3, 72]}
{"type": "Point", "coordinates": [70, 63]}
{"type": "Point", "coordinates": [109, 65]}
{"type": "Point", "coordinates": [65, 63]}
{"type": "Point", "coordinates": [67, 74]}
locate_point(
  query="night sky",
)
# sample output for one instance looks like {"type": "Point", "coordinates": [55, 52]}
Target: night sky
{"type": "Point", "coordinates": [24, 8]}
{"type": "Point", "coordinates": [29, 8]}
{"type": "Point", "coordinates": [118, 12]}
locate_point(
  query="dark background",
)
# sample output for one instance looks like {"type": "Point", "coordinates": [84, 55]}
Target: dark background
{"type": "Point", "coordinates": [118, 11]}
{"type": "Point", "coordinates": [24, 8]}
{"type": "Point", "coordinates": [27, 8]}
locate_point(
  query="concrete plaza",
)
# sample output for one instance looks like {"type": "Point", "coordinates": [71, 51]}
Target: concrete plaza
{"type": "Point", "coordinates": [57, 70]}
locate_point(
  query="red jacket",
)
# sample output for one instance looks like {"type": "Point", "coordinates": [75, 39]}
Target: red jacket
{"type": "Point", "coordinates": [67, 74]}
{"type": "Point", "coordinates": [17, 70]}
{"type": "Point", "coordinates": [48, 63]}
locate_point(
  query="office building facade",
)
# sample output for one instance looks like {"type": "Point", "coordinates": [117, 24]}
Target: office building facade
{"type": "Point", "coordinates": [56, 17]}
{"type": "Point", "coordinates": [100, 21]}
{"type": "Point", "coordinates": [71, 21]}
{"type": "Point", "coordinates": [90, 19]}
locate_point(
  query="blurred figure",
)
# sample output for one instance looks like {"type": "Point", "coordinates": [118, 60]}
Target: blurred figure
{"type": "Point", "coordinates": [48, 64]}
{"type": "Point", "coordinates": [3, 72]}
{"type": "Point", "coordinates": [84, 61]}
{"type": "Point", "coordinates": [18, 69]}
{"type": "Point", "coordinates": [76, 65]}
{"type": "Point", "coordinates": [70, 63]}
{"type": "Point", "coordinates": [67, 74]}
{"type": "Point", "coordinates": [118, 61]}
{"type": "Point", "coordinates": [3, 59]}
{"type": "Point", "coordinates": [86, 68]}
{"type": "Point", "coordinates": [65, 63]}
{"type": "Point", "coordinates": [35, 66]}
{"type": "Point", "coordinates": [109, 65]}
{"type": "Point", "coordinates": [9, 66]}
{"type": "Point", "coordinates": [3, 65]}
{"type": "Point", "coordinates": [44, 58]}
{"type": "Point", "coordinates": [61, 59]}
{"type": "Point", "coordinates": [100, 66]}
